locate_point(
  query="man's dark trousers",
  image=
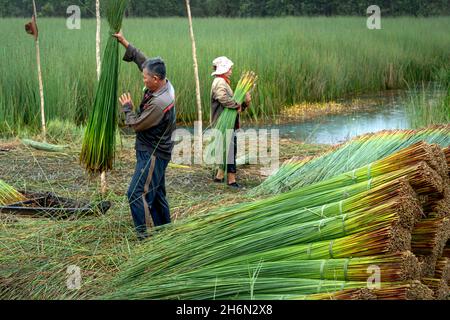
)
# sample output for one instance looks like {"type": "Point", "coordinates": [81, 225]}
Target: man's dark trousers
{"type": "Point", "coordinates": [147, 193]}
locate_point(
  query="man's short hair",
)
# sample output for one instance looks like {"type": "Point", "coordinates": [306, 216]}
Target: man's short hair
{"type": "Point", "coordinates": [155, 66]}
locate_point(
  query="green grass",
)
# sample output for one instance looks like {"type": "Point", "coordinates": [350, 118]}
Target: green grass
{"type": "Point", "coordinates": [422, 111]}
{"type": "Point", "coordinates": [297, 59]}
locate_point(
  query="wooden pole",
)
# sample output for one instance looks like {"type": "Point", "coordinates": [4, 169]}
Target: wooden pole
{"type": "Point", "coordinates": [199, 145]}
{"type": "Point", "coordinates": [103, 183]}
{"type": "Point", "coordinates": [97, 37]}
{"type": "Point", "coordinates": [41, 86]}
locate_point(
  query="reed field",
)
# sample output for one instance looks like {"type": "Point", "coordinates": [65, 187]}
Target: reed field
{"type": "Point", "coordinates": [310, 230]}
{"type": "Point", "coordinates": [296, 59]}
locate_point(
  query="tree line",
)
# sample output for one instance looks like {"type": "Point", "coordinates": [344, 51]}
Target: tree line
{"type": "Point", "coordinates": [233, 8]}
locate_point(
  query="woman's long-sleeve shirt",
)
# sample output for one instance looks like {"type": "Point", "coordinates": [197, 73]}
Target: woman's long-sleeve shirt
{"type": "Point", "coordinates": [221, 98]}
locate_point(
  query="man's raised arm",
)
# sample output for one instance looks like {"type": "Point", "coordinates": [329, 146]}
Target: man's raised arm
{"type": "Point", "coordinates": [132, 54]}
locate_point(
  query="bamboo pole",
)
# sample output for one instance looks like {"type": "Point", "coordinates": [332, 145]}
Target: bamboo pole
{"type": "Point", "coordinates": [97, 37]}
{"type": "Point", "coordinates": [41, 86]}
{"type": "Point", "coordinates": [103, 182]}
{"type": "Point", "coordinates": [198, 146]}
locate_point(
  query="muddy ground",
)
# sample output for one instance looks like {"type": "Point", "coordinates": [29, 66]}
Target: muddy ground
{"type": "Point", "coordinates": [36, 252]}
{"type": "Point", "coordinates": [187, 188]}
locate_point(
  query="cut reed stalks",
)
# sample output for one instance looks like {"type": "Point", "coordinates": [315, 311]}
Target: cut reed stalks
{"type": "Point", "coordinates": [442, 270]}
{"type": "Point", "coordinates": [389, 239]}
{"type": "Point", "coordinates": [353, 154]}
{"type": "Point", "coordinates": [412, 290]}
{"type": "Point", "coordinates": [238, 232]}
{"type": "Point", "coordinates": [429, 238]}
{"type": "Point", "coordinates": [226, 122]}
{"type": "Point", "coordinates": [439, 287]}
{"type": "Point", "coordinates": [8, 194]}
{"type": "Point", "coordinates": [99, 141]}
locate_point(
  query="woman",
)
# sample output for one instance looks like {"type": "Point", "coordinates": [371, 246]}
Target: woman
{"type": "Point", "coordinates": [221, 98]}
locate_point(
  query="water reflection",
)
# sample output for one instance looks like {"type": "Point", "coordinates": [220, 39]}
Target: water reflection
{"type": "Point", "coordinates": [338, 128]}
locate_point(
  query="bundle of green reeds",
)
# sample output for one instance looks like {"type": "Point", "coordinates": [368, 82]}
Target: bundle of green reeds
{"type": "Point", "coordinates": [442, 270]}
{"type": "Point", "coordinates": [8, 194]}
{"type": "Point", "coordinates": [226, 122]}
{"type": "Point", "coordinates": [97, 153]}
{"type": "Point", "coordinates": [236, 230]}
{"type": "Point", "coordinates": [263, 220]}
{"type": "Point", "coordinates": [246, 84]}
{"type": "Point", "coordinates": [309, 238]}
{"type": "Point", "coordinates": [411, 290]}
{"type": "Point", "coordinates": [438, 286]}
{"type": "Point", "coordinates": [353, 154]}
{"type": "Point", "coordinates": [429, 238]}
{"type": "Point", "coordinates": [447, 157]}
{"type": "Point", "coordinates": [446, 251]}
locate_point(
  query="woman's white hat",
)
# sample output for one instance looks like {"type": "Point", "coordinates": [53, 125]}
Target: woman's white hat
{"type": "Point", "coordinates": [222, 64]}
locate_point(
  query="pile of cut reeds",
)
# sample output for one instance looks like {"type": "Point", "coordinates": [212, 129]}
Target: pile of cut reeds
{"type": "Point", "coordinates": [317, 239]}
{"type": "Point", "coordinates": [357, 152]}
{"type": "Point", "coordinates": [8, 194]}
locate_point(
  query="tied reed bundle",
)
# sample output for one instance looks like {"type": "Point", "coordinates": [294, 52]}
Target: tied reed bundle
{"type": "Point", "coordinates": [226, 122]}
{"type": "Point", "coordinates": [8, 194]}
{"type": "Point", "coordinates": [353, 154]}
{"type": "Point", "coordinates": [97, 153]}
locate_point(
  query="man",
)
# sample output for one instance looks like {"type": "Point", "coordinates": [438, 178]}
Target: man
{"type": "Point", "coordinates": [154, 123]}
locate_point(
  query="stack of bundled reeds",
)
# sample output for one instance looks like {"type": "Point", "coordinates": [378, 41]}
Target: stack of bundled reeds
{"type": "Point", "coordinates": [357, 152]}
{"type": "Point", "coordinates": [8, 194]}
{"type": "Point", "coordinates": [309, 242]}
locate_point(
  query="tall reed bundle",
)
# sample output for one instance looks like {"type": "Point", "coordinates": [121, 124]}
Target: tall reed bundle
{"type": "Point", "coordinates": [198, 239]}
{"type": "Point", "coordinates": [226, 122]}
{"type": "Point", "coordinates": [246, 84]}
{"type": "Point", "coordinates": [8, 194]}
{"type": "Point", "coordinates": [229, 288]}
{"type": "Point", "coordinates": [440, 156]}
{"type": "Point", "coordinates": [353, 154]}
{"type": "Point", "coordinates": [297, 235]}
{"type": "Point", "coordinates": [438, 286]}
{"type": "Point", "coordinates": [395, 267]}
{"type": "Point", "coordinates": [442, 270]}
{"type": "Point", "coordinates": [439, 208]}
{"type": "Point", "coordinates": [412, 290]}
{"type": "Point", "coordinates": [447, 157]}
{"type": "Point", "coordinates": [257, 232]}
{"type": "Point", "coordinates": [428, 241]}
{"type": "Point", "coordinates": [430, 236]}
{"type": "Point", "coordinates": [225, 126]}
{"type": "Point", "coordinates": [446, 251]}
{"type": "Point", "coordinates": [257, 280]}
{"type": "Point", "coordinates": [382, 241]}
{"type": "Point", "coordinates": [97, 152]}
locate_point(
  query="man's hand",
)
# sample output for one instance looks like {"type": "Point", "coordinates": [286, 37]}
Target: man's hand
{"type": "Point", "coordinates": [126, 102]}
{"type": "Point", "coordinates": [119, 36]}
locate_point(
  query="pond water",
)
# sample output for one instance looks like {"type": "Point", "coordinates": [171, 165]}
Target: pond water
{"type": "Point", "coordinates": [385, 111]}
{"type": "Point", "coordinates": [334, 129]}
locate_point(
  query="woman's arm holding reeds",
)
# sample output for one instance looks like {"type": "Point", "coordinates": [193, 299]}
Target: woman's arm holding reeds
{"type": "Point", "coordinates": [224, 95]}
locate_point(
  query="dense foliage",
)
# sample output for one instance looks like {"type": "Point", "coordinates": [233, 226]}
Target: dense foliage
{"type": "Point", "coordinates": [235, 8]}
